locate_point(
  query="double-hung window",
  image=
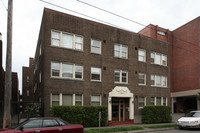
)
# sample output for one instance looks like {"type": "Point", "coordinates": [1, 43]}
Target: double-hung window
{"type": "Point", "coordinates": [142, 55]}
{"type": "Point", "coordinates": [164, 101]}
{"type": "Point", "coordinates": [158, 100]}
{"type": "Point", "coordinates": [141, 102]}
{"type": "Point", "coordinates": [55, 69]}
{"type": "Point", "coordinates": [159, 59]}
{"type": "Point", "coordinates": [121, 76]}
{"type": "Point", "coordinates": [55, 99]}
{"type": "Point", "coordinates": [66, 99]}
{"type": "Point", "coordinates": [95, 46]}
{"type": "Point", "coordinates": [158, 80]}
{"type": "Point", "coordinates": [95, 74]}
{"type": "Point", "coordinates": [141, 79]}
{"type": "Point", "coordinates": [121, 51]}
{"type": "Point", "coordinates": [66, 40]}
{"type": "Point", "coordinates": [64, 70]}
{"type": "Point", "coordinates": [78, 99]}
{"type": "Point", "coordinates": [152, 100]}
{"type": "Point", "coordinates": [96, 100]}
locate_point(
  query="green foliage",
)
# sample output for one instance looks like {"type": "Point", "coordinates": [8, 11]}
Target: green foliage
{"type": "Point", "coordinates": [156, 114]}
{"type": "Point", "coordinates": [88, 116]}
{"type": "Point", "coordinates": [33, 110]}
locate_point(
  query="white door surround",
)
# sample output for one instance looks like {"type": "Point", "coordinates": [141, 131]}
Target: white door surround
{"type": "Point", "coordinates": [121, 92]}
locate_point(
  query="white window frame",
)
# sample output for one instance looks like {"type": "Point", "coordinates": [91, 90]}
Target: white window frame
{"type": "Point", "coordinates": [92, 46]}
{"type": "Point", "coordinates": [121, 51]}
{"type": "Point", "coordinates": [73, 71]}
{"type": "Point", "coordinates": [165, 101]}
{"type": "Point", "coordinates": [163, 58]}
{"type": "Point", "coordinates": [154, 103]}
{"type": "Point", "coordinates": [73, 40]}
{"type": "Point", "coordinates": [161, 78]}
{"type": "Point", "coordinates": [141, 101]}
{"type": "Point", "coordinates": [60, 97]}
{"type": "Point", "coordinates": [144, 56]}
{"type": "Point", "coordinates": [95, 101]}
{"type": "Point", "coordinates": [161, 101]}
{"type": "Point", "coordinates": [93, 73]}
{"type": "Point", "coordinates": [144, 78]}
{"type": "Point", "coordinates": [120, 76]}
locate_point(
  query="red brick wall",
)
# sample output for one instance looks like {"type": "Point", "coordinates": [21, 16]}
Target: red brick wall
{"type": "Point", "coordinates": [185, 57]}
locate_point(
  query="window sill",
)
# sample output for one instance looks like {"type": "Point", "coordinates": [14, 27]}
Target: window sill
{"type": "Point", "coordinates": [158, 65]}
{"type": "Point", "coordinates": [66, 78]}
{"type": "Point", "coordinates": [120, 58]}
{"type": "Point", "coordinates": [159, 86]}
{"type": "Point", "coordinates": [121, 83]}
{"type": "Point", "coordinates": [95, 53]}
{"type": "Point", "coordinates": [143, 85]}
{"type": "Point", "coordinates": [142, 61]}
{"type": "Point", "coordinates": [98, 81]}
{"type": "Point", "coordinates": [53, 46]}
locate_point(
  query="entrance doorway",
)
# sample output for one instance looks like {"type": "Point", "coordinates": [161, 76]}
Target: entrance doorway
{"type": "Point", "coordinates": [119, 109]}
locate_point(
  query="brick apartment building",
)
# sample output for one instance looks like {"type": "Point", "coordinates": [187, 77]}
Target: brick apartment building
{"type": "Point", "coordinates": [28, 82]}
{"type": "Point", "coordinates": [15, 88]}
{"type": "Point", "coordinates": [82, 62]}
{"type": "Point", "coordinates": [184, 62]}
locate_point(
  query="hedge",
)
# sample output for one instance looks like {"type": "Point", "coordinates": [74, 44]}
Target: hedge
{"type": "Point", "coordinates": [156, 114]}
{"type": "Point", "coordinates": [88, 116]}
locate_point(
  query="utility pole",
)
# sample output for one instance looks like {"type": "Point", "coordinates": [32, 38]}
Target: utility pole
{"type": "Point", "coordinates": [8, 75]}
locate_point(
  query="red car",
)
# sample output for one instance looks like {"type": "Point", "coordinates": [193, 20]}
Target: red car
{"type": "Point", "coordinates": [45, 125]}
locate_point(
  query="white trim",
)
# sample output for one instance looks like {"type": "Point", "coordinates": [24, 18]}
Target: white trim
{"type": "Point", "coordinates": [99, 47]}
{"type": "Point", "coordinates": [120, 76]}
{"type": "Point", "coordinates": [124, 92]}
{"type": "Point", "coordinates": [73, 71]}
{"type": "Point", "coordinates": [144, 55]}
{"type": "Point", "coordinates": [92, 73]}
{"type": "Point", "coordinates": [185, 93]}
{"type": "Point", "coordinates": [120, 51]}
{"type": "Point", "coordinates": [161, 60]}
{"type": "Point", "coordinates": [73, 40]}
{"type": "Point", "coordinates": [144, 79]}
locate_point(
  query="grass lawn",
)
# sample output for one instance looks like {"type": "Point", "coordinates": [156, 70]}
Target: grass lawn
{"type": "Point", "coordinates": [117, 129]}
{"type": "Point", "coordinates": [162, 126]}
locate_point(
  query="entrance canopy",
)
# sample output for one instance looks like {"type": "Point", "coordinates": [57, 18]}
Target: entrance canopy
{"type": "Point", "coordinates": [120, 91]}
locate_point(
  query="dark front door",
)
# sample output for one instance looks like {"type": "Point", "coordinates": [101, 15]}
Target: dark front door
{"type": "Point", "coordinates": [118, 109]}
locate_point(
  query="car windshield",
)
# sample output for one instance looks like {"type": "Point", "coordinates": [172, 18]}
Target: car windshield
{"type": "Point", "coordinates": [16, 126]}
{"type": "Point", "coordinates": [193, 114]}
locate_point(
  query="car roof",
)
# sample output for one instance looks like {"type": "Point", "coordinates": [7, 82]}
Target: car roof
{"type": "Point", "coordinates": [43, 118]}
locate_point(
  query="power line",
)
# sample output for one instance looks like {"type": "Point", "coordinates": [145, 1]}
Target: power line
{"type": "Point", "coordinates": [83, 15]}
{"type": "Point", "coordinates": [190, 51]}
{"type": "Point", "coordinates": [131, 20]}
{"type": "Point", "coordinates": [4, 5]}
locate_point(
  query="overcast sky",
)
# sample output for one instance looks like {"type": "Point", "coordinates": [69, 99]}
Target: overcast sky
{"type": "Point", "coordinates": [27, 15]}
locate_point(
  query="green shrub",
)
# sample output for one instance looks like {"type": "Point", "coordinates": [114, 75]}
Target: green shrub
{"type": "Point", "coordinates": [88, 116]}
{"type": "Point", "coordinates": [33, 110]}
{"type": "Point", "coordinates": [156, 114]}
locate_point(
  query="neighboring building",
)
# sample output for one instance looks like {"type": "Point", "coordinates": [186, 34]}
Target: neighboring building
{"type": "Point", "coordinates": [185, 61]}
{"type": "Point", "coordinates": [15, 89]}
{"type": "Point", "coordinates": [28, 82]}
{"type": "Point", "coordinates": [82, 62]}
